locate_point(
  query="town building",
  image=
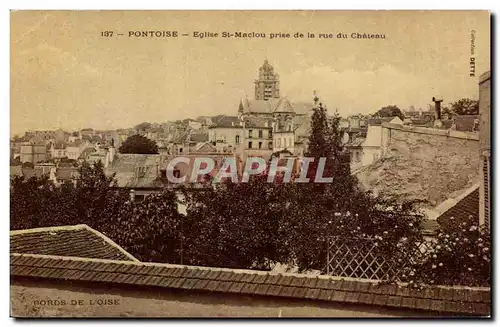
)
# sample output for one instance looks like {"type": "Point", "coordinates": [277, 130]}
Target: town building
{"type": "Point", "coordinates": [34, 151]}
{"type": "Point", "coordinates": [285, 122]}
{"type": "Point", "coordinates": [485, 148]}
{"type": "Point", "coordinates": [372, 145]}
{"type": "Point", "coordinates": [58, 150]}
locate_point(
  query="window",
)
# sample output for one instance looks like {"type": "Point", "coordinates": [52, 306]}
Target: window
{"type": "Point", "coordinates": [163, 173]}
{"type": "Point", "coordinates": [270, 133]}
{"type": "Point", "coordinates": [279, 142]}
{"type": "Point", "coordinates": [270, 144]}
{"type": "Point", "coordinates": [250, 132]}
{"type": "Point", "coordinates": [237, 139]}
{"type": "Point", "coordinates": [289, 128]}
{"type": "Point", "coordinates": [180, 150]}
{"type": "Point", "coordinates": [260, 145]}
{"type": "Point", "coordinates": [260, 133]}
{"type": "Point", "coordinates": [249, 145]}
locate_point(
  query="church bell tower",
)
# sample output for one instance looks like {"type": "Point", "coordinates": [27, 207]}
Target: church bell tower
{"type": "Point", "coordinates": [267, 86]}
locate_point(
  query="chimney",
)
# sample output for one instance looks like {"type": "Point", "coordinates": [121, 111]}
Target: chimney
{"type": "Point", "coordinates": [437, 107]}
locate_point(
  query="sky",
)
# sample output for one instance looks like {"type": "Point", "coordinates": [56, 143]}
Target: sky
{"type": "Point", "coordinates": [64, 74]}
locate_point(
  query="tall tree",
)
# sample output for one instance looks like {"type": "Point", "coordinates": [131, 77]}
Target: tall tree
{"type": "Point", "coordinates": [320, 211]}
{"type": "Point", "coordinates": [465, 106]}
{"type": "Point", "coordinates": [236, 225]}
{"type": "Point", "coordinates": [138, 144]}
{"type": "Point", "coordinates": [390, 111]}
{"type": "Point", "coordinates": [37, 202]}
{"type": "Point", "coordinates": [150, 230]}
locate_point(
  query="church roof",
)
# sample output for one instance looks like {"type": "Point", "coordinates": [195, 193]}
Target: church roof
{"type": "Point", "coordinates": [274, 105]}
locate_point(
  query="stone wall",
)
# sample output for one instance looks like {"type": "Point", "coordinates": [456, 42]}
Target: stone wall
{"type": "Point", "coordinates": [423, 163]}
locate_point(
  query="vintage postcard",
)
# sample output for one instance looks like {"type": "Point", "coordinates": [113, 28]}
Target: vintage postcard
{"type": "Point", "coordinates": [280, 164]}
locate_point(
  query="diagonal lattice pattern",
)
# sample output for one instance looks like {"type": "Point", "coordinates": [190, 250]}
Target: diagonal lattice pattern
{"type": "Point", "coordinates": [362, 258]}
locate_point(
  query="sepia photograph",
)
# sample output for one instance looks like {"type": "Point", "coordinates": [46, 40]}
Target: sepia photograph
{"type": "Point", "coordinates": [250, 164]}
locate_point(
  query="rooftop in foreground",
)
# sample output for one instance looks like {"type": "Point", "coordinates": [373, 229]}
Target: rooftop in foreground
{"type": "Point", "coordinates": [221, 282]}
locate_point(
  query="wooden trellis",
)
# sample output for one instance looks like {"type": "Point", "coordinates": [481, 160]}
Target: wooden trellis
{"type": "Point", "coordinates": [362, 258]}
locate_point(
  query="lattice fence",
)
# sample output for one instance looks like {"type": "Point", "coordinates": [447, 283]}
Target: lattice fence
{"type": "Point", "coordinates": [363, 258]}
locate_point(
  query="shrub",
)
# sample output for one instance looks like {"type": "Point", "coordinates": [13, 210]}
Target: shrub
{"type": "Point", "coordinates": [460, 256]}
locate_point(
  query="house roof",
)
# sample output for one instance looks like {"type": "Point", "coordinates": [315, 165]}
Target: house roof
{"type": "Point", "coordinates": [421, 122]}
{"type": "Point", "coordinates": [460, 207]}
{"type": "Point", "coordinates": [73, 241]}
{"type": "Point", "coordinates": [143, 170]}
{"type": "Point", "coordinates": [246, 282]}
{"type": "Point", "coordinates": [126, 167]}
{"type": "Point", "coordinates": [373, 136]}
{"type": "Point", "coordinates": [66, 173]}
{"type": "Point", "coordinates": [302, 126]}
{"type": "Point", "coordinates": [429, 226]}
{"type": "Point", "coordinates": [258, 122]}
{"type": "Point", "coordinates": [378, 121]}
{"type": "Point", "coordinates": [85, 153]}
{"type": "Point", "coordinates": [355, 142]}
{"type": "Point", "coordinates": [198, 137]}
{"type": "Point", "coordinates": [225, 121]}
{"type": "Point", "coordinates": [33, 172]}
{"type": "Point", "coordinates": [75, 143]}
{"type": "Point", "coordinates": [465, 123]}
{"type": "Point", "coordinates": [37, 140]}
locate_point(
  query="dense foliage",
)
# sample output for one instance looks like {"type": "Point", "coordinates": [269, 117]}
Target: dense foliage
{"type": "Point", "coordinates": [390, 111]}
{"type": "Point", "coordinates": [37, 202]}
{"type": "Point", "coordinates": [461, 256]}
{"type": "Point", "coordinates": [150, 230]}
{"type": "Point", "coordinates": [256, 224]}
{"type": "Point", "coordinates": [138, 144]}
{"type": "Point", "coordinates": [465, 106]}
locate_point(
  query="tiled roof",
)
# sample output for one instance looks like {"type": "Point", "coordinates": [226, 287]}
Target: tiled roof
{"type": "Point", "coordinates": [430, 226]}
{"type": "Point", "coordinates": [465, 123]}
{"type": "Point", "coordinates": [76, 241]}
{"type": "Point", "coordinates": [355, 142]}
{"type": "Point", "coordinates": [66, 173]}
{"type": "Point", "coordinates": [32, 172]}
{"type": "Point", "coordinates": [198, 137]}
{"type": "Point", "coordinates": [225, 121]}
{"type": "Point", "coordinates": [378, 121]}
{"type": "Point", "coordinates": [460, 207]}
{"type": "Point", "coordinates": [442, 300]}
{"type": "Point", "coordinates": [274, 105]}
{"type": "Point", "coordinates": [302, 126]}
{"type": "Point", "coordinates": [85, 153]}
{"type": "Point", "coordinates": [126, 167]}
{"type": "Point", "coordinates": [258, 122]}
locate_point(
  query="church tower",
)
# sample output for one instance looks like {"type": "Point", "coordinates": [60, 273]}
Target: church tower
{"type": "Point", "coordinates": [268, 85]}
